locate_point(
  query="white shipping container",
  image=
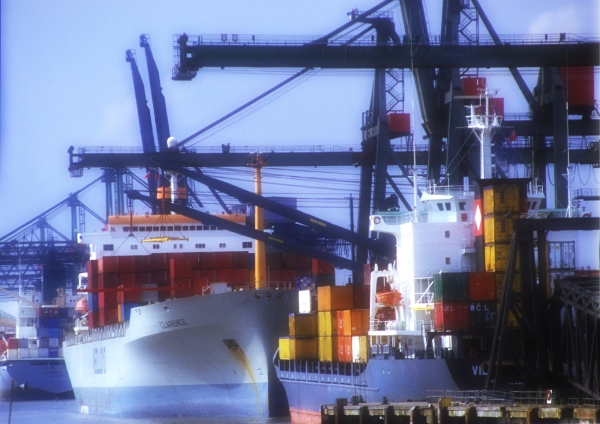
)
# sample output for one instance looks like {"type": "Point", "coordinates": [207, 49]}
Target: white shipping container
{"type": "Point", "coordinates": [359, 349]}
{"type": "Point", "coordinates": [43, 352]}
{"type": "Point", "coordinates": [34, 353]}
{"type": "Point", "coordinates": [304, 301]}
{"type": "Point", "coordinates": [216, 288]}
{"type": "Point", "coordinates": [32, 343]}
{"type": "Point", "coordinates": [23, 352]}
{"type": "Point", "coordinates": [26, 333]}
{"type": "Point", "coordinates": [13, 353]}
{"type": "Point", "coordinates": [27, 312]}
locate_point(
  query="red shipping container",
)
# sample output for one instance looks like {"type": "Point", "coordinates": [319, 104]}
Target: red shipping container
{"type": "Point", "coordinates": [209, 274]}
{"type": "Point", "coordinates": [92, 267]}
{"type": "Point", "coordinates": [108, 316]}
{"type": "Point", "coordinates": [240, 259]}
{"type": "Point", "coordinates": [127, 279]}
{"type": "Point", "coordinates": [240, 276]}
{"type": "Point", "coordinates": [303, 272]}
{"type": "Point", "coordinates": [13, 343]}
{"type": "Point", "coordinates": [579, 83]}
{"type": "Point", "coordinates": [108, 264]}
{"type": "Point", "coordinates": [92, 282]}
{"type": "Point", "coordinates": [179, 267]}
{"type": "Point", "coordinates": [160, 277]}
{"type": "Point", "coordinates": [159, 261]}
{"type": "Point", "coordinates": [93, 319]}
{"type": "Point", "coordinates": [344, 346]}
{"type": "Point", "coordinates": [225, 275]}
{"type": "Point", "coordinates": [142, 278]}
{"type": "Point", "coordinates": [472, 86]}
{"type": "Point", "coordinates": [107, 299]}
{"type": "Point", "coordinates": [482, 286]}
{"type": "Point", "coordinates": [289, 260]}
{"type": "Point", "coordinates": [322, 268]}
{"type": "Point", "coordinates": [274, 275]}
{"type": "Point", "coordinates": [273, 260]}
{"type": "Point", "coordinates": [199, 284]}
{"type": "Point", "coordinates": [193, 259]}
{"type": "Point", "coordinates": [223, 260]}
{"type": "Point", "coordinates": [288, 275]}
{"type": "Point", "coordinates": [108, 280]}
{"type": "Point", "coordinates": [143, 264]}
{"type": "Point", "coordinates": [399, 123]}
{"type": "Point", "coordinates": [360, 296]}
{"type": "Point", "coordinates": [128, 294]}
{"type": "Point", "coordinates": [451, 316]}
{"type": "Point", "coordinates": [206, 260]}
{"type": "Point", "coordinates": [303, 262]}
{"type": "Point", "coordinates": [126, 263]}
{"type": "Point", "coordinates": [164, 295]}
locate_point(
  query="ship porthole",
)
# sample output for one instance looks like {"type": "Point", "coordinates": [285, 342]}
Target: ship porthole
{"type": "Point", "coordinates": [377, 220]}
{"type": "Point", "coordinates": [473, 353]}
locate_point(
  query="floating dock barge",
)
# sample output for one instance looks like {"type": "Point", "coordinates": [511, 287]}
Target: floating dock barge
{"type": "Point", "coordinates": [466, 407]}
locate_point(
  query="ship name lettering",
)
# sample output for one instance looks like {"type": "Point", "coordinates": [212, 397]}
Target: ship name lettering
{"type": "Point", "coordinates": [477, 370]}
{"type": "Point", "coordinates": [172, 323]}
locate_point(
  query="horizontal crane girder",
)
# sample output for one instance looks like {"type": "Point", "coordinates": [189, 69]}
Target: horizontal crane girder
{"type": "Point", "coordinates": [267, 238]}
{"type": "Point", "coordinates": [506, 55]}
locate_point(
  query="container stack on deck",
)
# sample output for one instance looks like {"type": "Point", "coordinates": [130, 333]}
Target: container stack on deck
{"type": "Point", "coordinates": [336, 332]}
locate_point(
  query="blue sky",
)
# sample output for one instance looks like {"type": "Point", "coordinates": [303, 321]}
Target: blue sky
{"type": "Point", "coordinates": [65, 82]}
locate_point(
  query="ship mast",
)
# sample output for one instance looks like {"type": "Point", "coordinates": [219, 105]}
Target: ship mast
{"type": "Point", "coordinates": [483, 126]}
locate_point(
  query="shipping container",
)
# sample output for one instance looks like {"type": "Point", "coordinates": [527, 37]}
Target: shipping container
{"type": "Point", "coordinates": [288, 276]}
{"type": "Point", "coordinates": [328, 349]}
{"type": "Point", "coordinates": [108, 316]}
{"type": "Point", "coordinates": [561, 255]}
{"type": "Point", "coordinates": [482, 315]}
{"type": "Point", "coordinates": [50, 332]}
{"type": "Point", "coordinates": [150, 295]}
{"type": "Point", "coordinates": [496, 257]}
{"type": "Point", "coordinates": [128, 294]}
{"type": "Point", "coordinates": [274, 275]}
{"type": "Point", "coordinates": [223, 260]}
{"type": "Point", "coordinates": [327, 323]}
{"type": "Point", "coordinates": [303, 262]}
{"type": "Point", "coordinates": [579, 83]}
{"type": "Point", "coordinates": [352, 322]}
{"type": "Point", "coordinates": [108, 280]}
{"type": "Point", "coordinates": [240, 260]}
{"type": "Point", "coordinates": [43, 352]}
{"type": "Point", "coordinates": [333, 298]}
{"type": "Point", "coordinates": [473, 86]}
{"type": "Point", "coordinates": [92, 268]}
{"type": "Point", "coordinates": [160, 277]}
{"type": "Point", "coordinates": [451, 316]}
{"type": "Point", "coordinates": [361, 296]}
{"type": "Point", "coordinates": [482, 286]}
{"type": "Point", "coordinates": [516, 283]}
{"type": "Point", "coordinates": [399, 124]}
{"type": "Point", "coordinates": [108, 264]}
{"type": "Point", "coordinates": [181, 287]}
{"type": "Point", "coordinates": [344, 345]}
{"type": "Point", "coordinates": [225, 275]}
{"type": "Point", "coordinates": [124, 311]}
{"type": "Point", "coordinates": [451, 287]}
{"type": "Point", "coordinates": [284, 348]}
{"type": "Point", "coordinates": [498, 228]}
{"type": "Point", "coordinates": [107, 299]}
{"type": "Point", "coordinates": [13, 343]}
{"type": "Point", "coordinates": [289, 260]}
{"type": "Point", "coordinates": [501, 199]}
{"type": "Point", "coordinates": [93, 319]}
{"type": "Point", "coordinates": [273, 260]}
{"type": "Point", "coordinates": [143, 263]}
{"type": "Point", "coordinates": [360, 349]}
{"type": "Point", "coordinates": [303, 325]}
{"type": "Point", "coordinates": [303, 348]}
{"type": "Point", "coordinates": [127, 263]}
{"type": "Point", "coordinates": [322, 268]}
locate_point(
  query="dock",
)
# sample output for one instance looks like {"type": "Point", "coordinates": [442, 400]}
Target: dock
{"type": "Point", "coordinates": [468, 408]}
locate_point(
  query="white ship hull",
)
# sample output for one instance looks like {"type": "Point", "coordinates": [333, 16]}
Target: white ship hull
{"type": "Point", "coordinates": [202, 355]}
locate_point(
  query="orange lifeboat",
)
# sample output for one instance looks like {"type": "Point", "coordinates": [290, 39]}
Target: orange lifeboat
{"type": "Point", "coordinates": [82, 306]}
{"type": "Point", "coordinates": [389, 298]}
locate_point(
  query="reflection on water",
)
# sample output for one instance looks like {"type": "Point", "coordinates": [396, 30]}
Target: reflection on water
{"type": "Point", "coordinates": [67, 411]}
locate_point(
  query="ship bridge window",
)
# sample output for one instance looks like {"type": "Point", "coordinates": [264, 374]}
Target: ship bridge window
{"type": "Point", "coordinates": [222, 245]}
{"type": "Point", "coordinates": [156, 228]}
{"type": "Point", "coordinates": [213, 227]}
{"type": "Point", "coordinates": [178, 228]}
{"type": "Point", "coordinates": [246, 244]}
{"type": "Point", "coordinates": [163, 228]}
{"type": "Point", "coordinates": [440, 207]}
{"type": "Point", "coordinates": [148, 228]}
{"type": "Point", "coordinates": [185, 228]}
{"type": "Point", "coordinates": [447, 234]}
{"type": "Point", "coordinates": [448, 206]}
{"type": "Point", "coordinates": [206, 227]}
{"type": "Point", "coordinates": [108, 247]}
{"type": "Point", "coordinates": [156, 246]}
{"type": "Point", "coordinates": [136, 228]}
{"type": "Point", "coordinates": [462, 206]}
{"type": "Point", "coordinates": [200, 245]}
{"type": "Point", "coordinates": [126, 229]}
{"type": "Point", "coordinates": [447, 261]}
{"type": "Point", "coordinates": [133, 247]}
{"type": "Point", "coordinates": [169, 228]}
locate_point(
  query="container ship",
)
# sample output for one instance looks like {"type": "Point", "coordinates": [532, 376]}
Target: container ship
{"type": "Point", "coordinates": [425, 322]}
{"type": "Point", "coordinates": [33, 361]}
{"type": "Point", "coordinates": [173, 325]}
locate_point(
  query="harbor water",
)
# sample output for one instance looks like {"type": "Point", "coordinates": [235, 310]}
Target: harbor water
{"type": "Point", "coordinates": [67, 411]}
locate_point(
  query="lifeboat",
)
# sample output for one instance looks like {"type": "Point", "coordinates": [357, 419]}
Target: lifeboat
{"type": "Point", "coordinates": [389, 298]}
{"type": "Point", "coordinates": [82, 306]}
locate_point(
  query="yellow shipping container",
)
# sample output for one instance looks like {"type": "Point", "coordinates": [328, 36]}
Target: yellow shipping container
{"type": "Point", "coordinates": [360, 349]}
{"type": "Point", "coordinates": [516, 283]}
{"type": "Point", "coordinates": [327, 322]}
{"type": "Point", "coordinates": [334, 298]}
{"type": "Point", "coordinates": [303, 348]}
{"type": "Point", "coordinates": [328, 349]}
{"type": "Point", "coordinates": [501, 199]}
{"type": "Point", "coordinates": [511, 322]}
{"type": "Point", "coordinates": [498, 228]}
{"type": "Point", "coordinates": [496, 257]}
{"type": "Point", "coordinates": [303, 325]}
{"type": "Point", "coordinates": [284, 348]}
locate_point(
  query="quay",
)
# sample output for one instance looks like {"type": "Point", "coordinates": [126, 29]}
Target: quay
{"type": "Point", "coordinates": [471, 407]}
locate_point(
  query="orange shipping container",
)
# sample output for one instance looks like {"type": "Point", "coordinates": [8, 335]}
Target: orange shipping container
{"type": "Point", "coordinates": [344, 346]}
{"type": "Point", "coordinates": [361, 296]}
{"type": "Point", "coordinates": [333, 298]}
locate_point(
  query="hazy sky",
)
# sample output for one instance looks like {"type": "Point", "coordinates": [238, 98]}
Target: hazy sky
{"type": "Point", "coordinates": [65, 82]}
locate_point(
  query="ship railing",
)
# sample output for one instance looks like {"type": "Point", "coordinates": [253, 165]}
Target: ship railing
{"type": "Point", "coordinates": [106, 332]}
{"type": "Point", "coordinates": [539, 397]}
{"type": "Point", "coordinates": [546, 213]}
{"type": "Point", "coordinates": [584, 401]}
{"type": "Point", "coordinates": [472, 396]}
{"type": "Point", "coordinates": [342, 373]}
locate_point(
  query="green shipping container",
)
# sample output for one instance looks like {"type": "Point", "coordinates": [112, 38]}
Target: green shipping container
{"type": "Point", "coordinates": [451, 287]}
